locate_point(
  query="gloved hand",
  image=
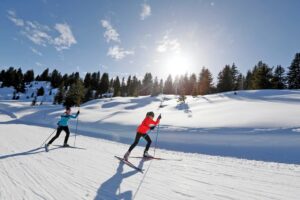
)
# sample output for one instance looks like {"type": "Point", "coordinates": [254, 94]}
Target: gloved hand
{"type": "Point", "coordinates": [159, 117]}
{"type": "Point", "coordinates": [152, 127]}
{"type": "Point", "coordinates": [78, 112]}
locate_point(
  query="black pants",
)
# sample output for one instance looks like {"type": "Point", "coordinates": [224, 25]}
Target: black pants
{"type": "Point", "coordinates": [137, 139]}
{"type": "Point", "coordinates": [59, 129]}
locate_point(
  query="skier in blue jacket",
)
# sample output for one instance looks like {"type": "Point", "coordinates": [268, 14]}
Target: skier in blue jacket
{"type": "Point", "coordinates": [63, 126]}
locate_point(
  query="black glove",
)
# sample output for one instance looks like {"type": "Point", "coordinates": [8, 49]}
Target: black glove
{"type": "Point", "coordinates": [78, 112]}
{"type": "Point", "coordinates": [159, 117]}
{"type": "Point", "coordinates": [152, 127]}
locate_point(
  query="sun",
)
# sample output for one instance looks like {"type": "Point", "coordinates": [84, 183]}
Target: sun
{"type": "Point", "coordinates": [177, 64]}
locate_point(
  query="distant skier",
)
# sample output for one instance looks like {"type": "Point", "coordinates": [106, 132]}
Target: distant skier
{"type": "Point", "coordinates": [148, 123]}
{"type": "Point", "coordinates": [63, 126]}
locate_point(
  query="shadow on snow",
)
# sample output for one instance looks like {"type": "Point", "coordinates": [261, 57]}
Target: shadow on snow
{"type": "Point", "coordinates": [110, 189]}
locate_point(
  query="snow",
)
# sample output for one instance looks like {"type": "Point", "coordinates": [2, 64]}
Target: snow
{"type": "Point", "coordinates": [243, 146]}
{"type": "Point", "coordinates": [6, 93]}
{"type": "Point", "coordinates": [27, 172]}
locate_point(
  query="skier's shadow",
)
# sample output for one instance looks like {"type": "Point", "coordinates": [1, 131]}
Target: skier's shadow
{"type": "Point", "coordinates": [25, 153]}
{"type": "Point", "coordinates": [110, 189]}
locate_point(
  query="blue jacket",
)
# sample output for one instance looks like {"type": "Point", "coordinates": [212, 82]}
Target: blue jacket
{"type": "Point", "coordinates": [65, 118]}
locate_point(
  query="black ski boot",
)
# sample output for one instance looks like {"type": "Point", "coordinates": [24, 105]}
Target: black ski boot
{"type": "Point", "coordinates": [46, 147]}
{"type": "Point", "coordinates": [66, 145]}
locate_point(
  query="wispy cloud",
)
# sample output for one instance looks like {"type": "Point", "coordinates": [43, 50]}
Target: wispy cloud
{"type": "Point", "coordinates": [40, 34]}
{"type": "Point", "coordinates": [66, 38]}
{"type": "Point", "coordinates": [13, 17]}
{"type": "Point", "coordinates": [35, 51]}
{"type": "Point", "coordinates": [38, 64]}
{"type": "Point", "coordinates": [118, 53]}
{"type": "Point", "coordinates": [146, 11]}
{"type": "Point", "coordinates": [167, 44]}
{"type": "Point", "coordinates": [37, 33]}
{"type": "Point", "coordinates": [110, 33]}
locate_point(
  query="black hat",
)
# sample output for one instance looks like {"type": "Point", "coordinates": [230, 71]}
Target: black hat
{"type": "Point", "coordinates": [68, 108]}
{"type": "Point", "coordinates": [150, 114]}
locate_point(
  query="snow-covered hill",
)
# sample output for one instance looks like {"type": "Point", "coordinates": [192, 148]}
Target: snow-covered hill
{"type": "Point", "coordinates": [257, 125]}
{"type": "Point", "coordinates": [30, 93]}
{"type": "Point", "coordinates": [232, 130]}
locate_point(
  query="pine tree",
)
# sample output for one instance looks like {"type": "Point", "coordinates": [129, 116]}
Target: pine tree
{"type": "Point", "coordinates": [182, 86]}
{"type": "Point", "coordinates": [147, 84]}
{"type": "Point", "coordinates": [55, 79]}
{"type": "Point", "coordinates": [95, 81]}
{"type": "Point", "coordinates": [205, 84]}
{"type": "Point", "coordinates": [117, 87]}
{"type": "Point", "coordinates": [87, 80]}
{"type": "Point", "coordinates": [235, 76]}
{"type": "Point", "coordinates": [248, 81]}
{"type": "Point", "coordinates": [44, 76]}
{"type": "Point", "coordinates": [9, 77]}
{"type": "Point", "coordinates": [19, 81]}
{"type": "Point", "coordinates": [88, 94]}
{"type": "Point", "coordinates": [161, 86]}
{"type": "Point", "coordinates": [176, 84]}
{"type": "Point", "coordinates": [262, 76]}
{"type": "Point", "coordinates": [186, 84]}
{"type": "Point", "coordinates": [73, 78]}
{"type": "Point", "coordinates": [240, 82]}
{"type": "Point", "coordinates": [294, 73]}
{"type": "Point", "coordinates": [2, 74]}
{"type": "Point", "coordinates": [129, 87]}
{"type": "Point", "coordinates": [155, 88]}
{"type": "Point", "coordinates": [111, 84]}
{"type": "Point", "coordinates": [134, 87]}
{"type": "Point", "coordinates": [193, 85]}
{"type": "Point", "coordinates": [182, 96]}
{"type": "Point", "coordinates": [123, 88]}
{"type": "Point", "coordinates": [104, 84]}
{"type": "Point", "coordinates": [226, 79]}
{"type": "Point", "coordinates": [65, 81]}
{"type": "Point", "coordinates": [29, 76]}
{"type": "Point", "coordinates": [168, 87]}
{"type": "Point", "coordinates": [40, 91]}
{"type": "Point", "coordinates": [279, 80]}
{"type": "Point", "coordinates": [75, 94]}
{"type": "Point", "coordinates": [60, 95]}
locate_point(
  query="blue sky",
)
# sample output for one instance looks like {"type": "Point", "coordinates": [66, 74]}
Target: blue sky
{"type": "Point", "coordinates": [158, 36]}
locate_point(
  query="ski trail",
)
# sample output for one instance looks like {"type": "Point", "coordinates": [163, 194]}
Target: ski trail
{"type": "Point", "coordinates": [27, 172]}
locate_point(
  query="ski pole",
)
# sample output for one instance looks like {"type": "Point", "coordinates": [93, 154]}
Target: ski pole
{"type": "Point", "coordinates": [76, 131]}
{"type": "Point", "coordinates": [47, 138]}
{"type": "Point", "coordinates": [156, 140]}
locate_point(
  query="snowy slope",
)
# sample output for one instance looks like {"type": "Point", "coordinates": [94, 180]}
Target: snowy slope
{"type": "Point", "coordinates": [31, 88]}
{"type": "Point", "coordinates": [257, 125]}
{"type": "Point", "coordinates": [253, 125]}
{"type": "Point", "coordinates": [26, 172]}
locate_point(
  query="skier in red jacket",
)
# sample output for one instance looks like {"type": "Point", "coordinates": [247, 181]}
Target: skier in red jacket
{"type": "Point", "coordinates": [148, 123]}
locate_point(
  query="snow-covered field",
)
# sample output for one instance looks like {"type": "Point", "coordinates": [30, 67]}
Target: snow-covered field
{"type": "Point", "coordinates": [218, 137]}
{"type": "Point", "coordinates": [27, 172]}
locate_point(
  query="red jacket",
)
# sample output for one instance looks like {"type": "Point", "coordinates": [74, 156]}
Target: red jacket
{"type": "Point", "coordinates": [146, 124]}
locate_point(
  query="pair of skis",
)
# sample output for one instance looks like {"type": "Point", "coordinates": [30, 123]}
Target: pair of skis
{"type": "Point", "coordinates": [144, 158]}
{"type": "Point", "coordinates": [129, 164]}
{"type": "Point", "coordinates": [60, 146]}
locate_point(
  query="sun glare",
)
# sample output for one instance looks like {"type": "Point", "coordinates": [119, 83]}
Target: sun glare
{"type": "Point", "coordinates": [178, 64]}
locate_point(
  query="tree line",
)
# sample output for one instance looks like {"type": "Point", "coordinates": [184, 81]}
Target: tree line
{"type": "Point", "coordinates": [73, 89]}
